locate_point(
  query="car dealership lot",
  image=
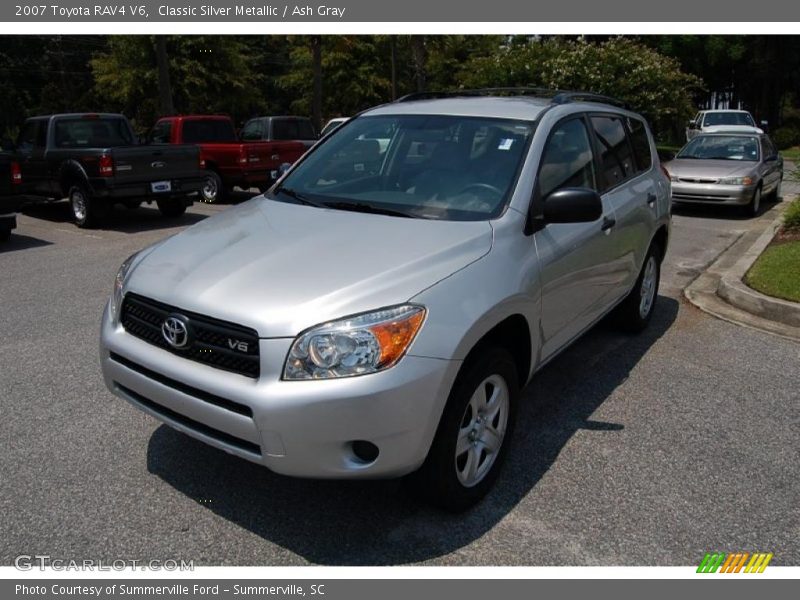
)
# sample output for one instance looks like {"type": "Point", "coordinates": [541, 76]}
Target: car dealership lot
{"type": "Point", "coordinates": [629, 450]}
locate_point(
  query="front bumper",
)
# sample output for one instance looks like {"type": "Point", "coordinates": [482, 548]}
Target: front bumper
{"type": "Point", "coordinates": [298, 428]}
{"type": "Point", "coordinates": [712, 193]}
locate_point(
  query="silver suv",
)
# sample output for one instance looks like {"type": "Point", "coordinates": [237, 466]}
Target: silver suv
{"type": "Point", "coordinates": [378, 311]}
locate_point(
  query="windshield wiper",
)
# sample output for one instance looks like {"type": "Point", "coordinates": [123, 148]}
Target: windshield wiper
{"type": "Point", "coordinates": [295, 195]}
{"type": "Point", "coordinates": [369, 208]}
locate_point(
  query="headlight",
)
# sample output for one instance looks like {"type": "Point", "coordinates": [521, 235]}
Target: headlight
{"type": "Point", "coordinates": [356, 345]}
{"type": "Point", "coordinates": [119, 282]}
{"type": "Point", "coordinates": [736, 181]}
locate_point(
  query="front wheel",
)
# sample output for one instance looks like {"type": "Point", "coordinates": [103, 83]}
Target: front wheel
{"type": "Point", "coordinates": [473, 434]}
{"type": "Point", "coordinates": [634, 313]}
{"type": "Point", "coordinates": [171, 207]}
{"type": "Point", "coordinates": [751, 209]}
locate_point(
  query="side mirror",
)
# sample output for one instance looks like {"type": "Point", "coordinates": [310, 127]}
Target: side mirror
{"type": "Point", "coordinates": [572, 205]}
{"type": "Point", "coordinates": [7, 145]}
{"type": "Point", "coordinates": [691, 125]}
{"type": "Point", "coordinates": [283, 168]}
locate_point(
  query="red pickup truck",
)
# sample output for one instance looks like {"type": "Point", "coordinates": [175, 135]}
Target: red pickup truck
{"type": "Point", "coordinates": [229, 162]}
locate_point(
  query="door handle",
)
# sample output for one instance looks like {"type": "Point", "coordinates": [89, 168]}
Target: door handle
{"type": "Point", "coordinates": [651, 199]}
{"type": "Point", "coordinates": [608, 223]}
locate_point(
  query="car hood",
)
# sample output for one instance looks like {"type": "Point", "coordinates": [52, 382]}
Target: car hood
{"type": "Point", "coordinates": [731, 129]}
{"type": "Point", "coordinates": [708, 169]}
{"type": "Point", "coordinates": [281, 268]}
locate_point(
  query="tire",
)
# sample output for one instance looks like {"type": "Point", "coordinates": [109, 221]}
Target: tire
{"type": "Point", "coordinates": [634, 313]}
{"type": "Point", "coordinates": [87, 211]}
{"type": "Point", "coordinates": [212, 191]}
{"type": "Point", "coordinates": [132, 204]}
{"type": "Point", "coordinates": [447, 479]}
{"type": "Point", "coordinates": [5, 235]}
{"type": "Point", "coordinates": [171, 207]}
{"type": "Point", "coordinates": [775, 196]}
{"type": "Point", "coordinates": [751, 209]}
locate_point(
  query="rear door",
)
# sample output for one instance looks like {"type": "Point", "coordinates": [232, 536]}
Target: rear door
{"type": "Point", "coordinates": [628, 186]}
{"type": "Point", "coordinates": [577, 271]}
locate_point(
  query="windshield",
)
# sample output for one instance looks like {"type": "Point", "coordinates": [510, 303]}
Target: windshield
{"type": "Point", "coordinates": [721, 147]}
{"type": "Point", "coordinates": [428, 166]}
{"type": "Point", "coordinates": [204, 131]}
{"type": "Point", "coordinates": [713, 119]}
{"type": "Point", "coordinates": [92, 132]}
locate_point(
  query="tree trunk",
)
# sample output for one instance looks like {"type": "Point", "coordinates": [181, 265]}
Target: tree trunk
{"type": "Point", "coordinates": [420, 61]}
{"type": "Point", "coordinates": [316, 93]}
{"type": "Point", "coordinates": [164, 87]}
{"type": "Point", "coordinates": [393, 51]}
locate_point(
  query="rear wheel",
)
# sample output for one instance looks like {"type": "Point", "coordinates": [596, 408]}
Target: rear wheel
{"type": "Point", "coordinates": [634, 313]}
{"type": "Point", "coordinates": [171, 207]}
{"type": "Point", "coordinates": [472, 439]}
{"type": "Point", "coordinates": [86, 210]}
{"type": "Point", "coordinates": [212, 190]}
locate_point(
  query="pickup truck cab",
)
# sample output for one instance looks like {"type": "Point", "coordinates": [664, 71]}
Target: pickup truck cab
{"type": "Point", "coordinates": [10, 181]}
{"type": "Point", "coordinates": [94, 160]}
{"type": "Point", "coordinates": [229, 162]}
{"type": "Point", "coordinates": [273, 129]}
{"type": "Point", "coordinates": [378, 311]}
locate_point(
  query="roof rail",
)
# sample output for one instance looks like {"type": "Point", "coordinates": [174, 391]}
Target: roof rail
{"type": "Point", "coordinates": [555, 96]}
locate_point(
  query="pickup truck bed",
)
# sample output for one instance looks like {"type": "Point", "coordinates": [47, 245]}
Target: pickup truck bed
{"type": "Point", "coordinates": [9, 198]}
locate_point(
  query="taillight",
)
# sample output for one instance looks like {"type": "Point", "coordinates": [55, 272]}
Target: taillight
{"type": "Point", "coordinates": [243, 156]}
{"type": "Point", "coordinates": [106, 166]}
{"type": "Point", "coordinates": [16, 173]}
{"type": "Point", "coordinates": [202, 161]}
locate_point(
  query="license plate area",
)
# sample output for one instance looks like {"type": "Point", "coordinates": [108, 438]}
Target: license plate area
{"type": "Point", "coordinates": [160, 187]}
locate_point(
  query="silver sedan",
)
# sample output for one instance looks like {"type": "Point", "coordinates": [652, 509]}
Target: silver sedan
{"type": "Point", "coordinates": [729, 168]}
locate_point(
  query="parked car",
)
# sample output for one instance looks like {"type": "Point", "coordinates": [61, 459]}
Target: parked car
{"type": "Point", "coordinates": [721, 121]}
{"type": "Point", "coordinates": [10, 180]}
{"type": "Point", "coordinates": [229, 162]}
{"type": "Point", "coordinates": [377, 312]}
{"type": "Point", "coordinates": [93, 159]}
{"type": "Point", "coordinates": [333, 124]}
{"type": "Point", "coordinates": [271, 129]}
{"type": "Point", "coordinates": [727, 168]}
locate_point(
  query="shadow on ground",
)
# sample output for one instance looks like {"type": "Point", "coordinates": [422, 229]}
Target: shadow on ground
{"type": "Point", "coordinates": [722, 211]}
{"type": "Point", "coordinates": [333, 522]}
{"type": "Point", "coordinates": [21, 242]}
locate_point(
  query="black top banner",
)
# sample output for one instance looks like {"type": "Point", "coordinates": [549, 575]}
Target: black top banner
{"type": "Point", "coordinates": [399, 11]}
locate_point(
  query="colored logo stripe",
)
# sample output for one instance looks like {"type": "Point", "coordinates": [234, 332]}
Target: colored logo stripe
{"type": "Point", "coordinates": [733, 563]}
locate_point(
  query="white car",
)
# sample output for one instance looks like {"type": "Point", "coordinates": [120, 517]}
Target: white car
{"type": "Point", "coordinates": [722, 121]}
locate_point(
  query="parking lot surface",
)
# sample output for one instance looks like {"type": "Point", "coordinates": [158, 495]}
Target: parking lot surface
{"type": "Point", "coordinates": [645, 450]}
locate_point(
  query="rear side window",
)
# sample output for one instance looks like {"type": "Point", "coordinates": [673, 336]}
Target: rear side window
{"type": "Point", "coordinates": [615, 151]}
{"type": "Point", "coordinates": [293, 129]}
{"type": "Point", "coordinates": [27, 137]}
{"type": "Point", "coordinates": [92, 133]}
{"type": "Point", "coordinates": [641, 144]}
{"type": "Point", "coordinates": [160, 133]}
{"type": "Point", "coordinates": [567, 160]}
{"type": "Point", "coordinates": [253, 130]}
{"type": "Point", "coordinates": [208, 131]}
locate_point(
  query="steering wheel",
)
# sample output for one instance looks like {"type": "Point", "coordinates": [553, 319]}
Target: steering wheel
{"type": "Point", "coordinates": [480, 186]}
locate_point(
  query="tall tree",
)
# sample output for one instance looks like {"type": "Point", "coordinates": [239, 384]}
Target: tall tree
{"type": "Point", "coordinates": [316, 74]}
{"type": "Point", "coordinates": [166, 105]}
{"type": "Point", "coordinates": [420, 55]}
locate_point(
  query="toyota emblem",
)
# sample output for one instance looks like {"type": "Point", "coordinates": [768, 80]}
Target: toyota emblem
{"type": "Point", "coordinates": [175, 330]}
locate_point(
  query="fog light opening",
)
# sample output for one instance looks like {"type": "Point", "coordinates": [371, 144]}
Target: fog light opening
{"type": "Point", "coordinates": [365, 451]}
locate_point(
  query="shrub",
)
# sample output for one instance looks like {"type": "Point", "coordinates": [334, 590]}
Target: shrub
{"type": "Point", "coordinates": [791, 218]}
{"type": "Point", "coordinates": [786, 137]}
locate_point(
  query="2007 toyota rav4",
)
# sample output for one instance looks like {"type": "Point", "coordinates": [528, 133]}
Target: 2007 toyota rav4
{"type": "Point", "coordinates": [378, 311]}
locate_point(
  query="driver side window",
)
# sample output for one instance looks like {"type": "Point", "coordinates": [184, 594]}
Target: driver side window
{"type": "Point", "coordinates": [567, 160]}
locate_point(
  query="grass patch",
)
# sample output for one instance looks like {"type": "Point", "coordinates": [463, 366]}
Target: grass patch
{"type": "Point", "coordinates": [792, 154]}
{"type": "Point", "coordinates": [791, 216]}
{"type": "Point", "coordinates": [777, 271]}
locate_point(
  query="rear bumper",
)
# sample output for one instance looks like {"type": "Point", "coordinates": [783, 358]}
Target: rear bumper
{"type": "Point", "coordinates": [183, 187]}
{"type": "Point", "coordinates": [8, 221]}
{"type": "Point", "coordinates": [247, 178]}
{"type": "Point", "coordinates": [712, 193]}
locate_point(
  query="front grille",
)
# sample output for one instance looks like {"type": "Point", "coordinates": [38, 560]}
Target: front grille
{"type": "Point", "coordinates": [697, 180]}
{"type": "Point", "coordinates": [213, 341]}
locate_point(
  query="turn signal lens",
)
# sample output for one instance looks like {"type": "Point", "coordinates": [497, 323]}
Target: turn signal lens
{"type": "Point", "coordinates": [395, 336]}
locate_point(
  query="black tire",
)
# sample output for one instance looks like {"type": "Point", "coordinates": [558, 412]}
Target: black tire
{"type": "Point", "coordinates": [87, 212]}
{"type": "Point", "coordinates": [751, 208]}
{"type": "Point", "coordinates": [132, 204]}
{"type": "Point", "coordinates": [212, 191]}
{"type": "Point", "coordinates": [438, 480]}
{"type": "Point", "coordinates": [776, 196]}
{"type": "Point", "coordinates": [5, 235]}
{"type": "Point", "coordinates": [633, 314]}
{"type": "Point", "coordinates": [171, 207]}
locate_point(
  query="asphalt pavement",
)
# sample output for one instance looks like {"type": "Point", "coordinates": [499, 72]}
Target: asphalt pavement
{"type": "Point", "coordinates": [644, 450]}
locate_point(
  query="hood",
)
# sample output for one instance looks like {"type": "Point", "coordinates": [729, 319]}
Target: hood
{"type": "Point", "coordinates": [708, 169]}
{"type": "Point", "coordinates": [731, 129]}
{"type": "Point", "coordinates": [281, 268]}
